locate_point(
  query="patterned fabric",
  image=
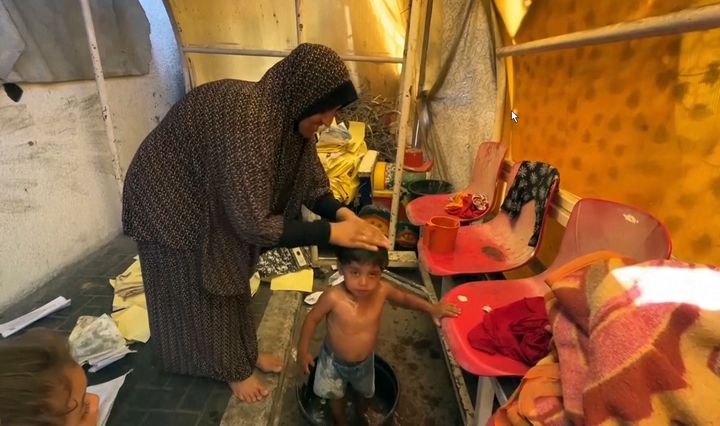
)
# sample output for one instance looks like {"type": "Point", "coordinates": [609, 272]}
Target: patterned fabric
{"type": "Point", "coordinates": [193, 331]}
{"type": "Point", "coordinates": [534, 181]}
{"type": "Point", "coordinates": [281, 261]}
{"type": "Point", "coordinates": [224, 171]}
{"type": "Point", "coordinates": [633, 344]}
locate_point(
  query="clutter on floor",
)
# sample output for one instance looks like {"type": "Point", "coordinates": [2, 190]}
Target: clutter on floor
{"type": "Point", "coordinates": [11, 327]}
{"type": "Point", "coordinates": [97, 341]}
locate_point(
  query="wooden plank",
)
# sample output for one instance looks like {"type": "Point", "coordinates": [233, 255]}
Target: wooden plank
{"type": "Point", "coordinates": [367, 164]}
{"type": "Point", "coordinates": [409, 94]}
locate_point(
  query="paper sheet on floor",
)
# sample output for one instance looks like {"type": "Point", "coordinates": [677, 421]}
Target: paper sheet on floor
{"type": "Point", "coordinates": [130, 304]}
{"type": "Point", "coordinates": [130, 282]}
{"type": "Point", "coordinates": [107, 392]}
{"type": "Point", "coordinates": [120, 302]}
{"type": "Point", "coordinates": [11, 327]}
{"type": "Point", "coordinates": [254, 283]}
{"type": "Point", "coordinates": [335, 279]}
{"type": "Point", "coordinates": [301, 280]}
{"type": "Point", "coordinates": [133, 324]}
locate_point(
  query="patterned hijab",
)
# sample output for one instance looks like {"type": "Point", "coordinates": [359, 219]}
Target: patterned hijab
{"type": "Point", "coordinates": [225, 170]}
{"type": "Point", "coordinates": [311, 80]}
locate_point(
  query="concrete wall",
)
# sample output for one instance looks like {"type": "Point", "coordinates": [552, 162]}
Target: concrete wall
{"type": "Point", "coordinates": [58, 198]}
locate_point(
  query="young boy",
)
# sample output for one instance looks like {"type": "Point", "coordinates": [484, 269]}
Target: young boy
{"type": "Point", "coordinates": [41, 384]}
{"type": "Point", "coordinates": [353, 311]}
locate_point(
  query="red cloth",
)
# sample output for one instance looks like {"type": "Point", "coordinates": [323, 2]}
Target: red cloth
{"type": "Point", "coordinates": [517, 330]}
{"type": "Point", "coordinates": [467, 206]}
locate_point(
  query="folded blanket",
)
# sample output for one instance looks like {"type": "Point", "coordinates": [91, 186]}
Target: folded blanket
{"type": "Point", "coordinates": [517, 330]}
{"type": "Point", "coordinates": [632, 344]}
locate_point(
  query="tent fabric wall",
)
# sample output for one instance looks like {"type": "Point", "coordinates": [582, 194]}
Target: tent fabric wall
{"type": "Point", "coordinates": [50, 37]}
{"type": "Point", "coordinates": [635, 121]}
{"type": "Point", "coordinates": [374, 28]}
{"type": "Point", "coordinates": [462, 112]}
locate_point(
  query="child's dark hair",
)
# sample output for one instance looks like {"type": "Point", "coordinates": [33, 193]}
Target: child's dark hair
{"type": "Point", "coordinates": [347, 256]}
{"type": "Point", "coordinates": [33, 372]}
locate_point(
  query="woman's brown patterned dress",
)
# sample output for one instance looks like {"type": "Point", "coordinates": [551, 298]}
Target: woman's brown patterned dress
{"type": "Point", "coordinates": [221, 177]}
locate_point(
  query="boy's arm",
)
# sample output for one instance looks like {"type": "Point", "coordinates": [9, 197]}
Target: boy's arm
{"type": "Point", "coordinates": [407, 300]}
{"type": "Point", "coordinates": [323, 306]}
{"type": "Point", "coordinates": [410, 301]}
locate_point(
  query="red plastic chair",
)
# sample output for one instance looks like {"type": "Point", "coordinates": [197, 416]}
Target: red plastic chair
{"type": "Point", "coordinates": [499, 245]}
{"type": "Point", "coordinates": [593, 225]}
{"type": "Point", "coordinates": [488, 163]}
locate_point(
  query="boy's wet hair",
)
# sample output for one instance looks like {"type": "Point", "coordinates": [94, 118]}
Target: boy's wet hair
{"type": "Point", "coordinates": [378, 258]}
{"type": "Point", "coordinates": [34, 378]}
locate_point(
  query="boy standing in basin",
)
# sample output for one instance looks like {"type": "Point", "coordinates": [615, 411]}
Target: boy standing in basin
{"type": "Point", "coordinates": [353, 310]}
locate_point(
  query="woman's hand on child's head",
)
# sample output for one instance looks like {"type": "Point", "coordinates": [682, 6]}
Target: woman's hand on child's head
{"type": "Point", "coordinates": [305, 361]}
{"type": "Point", "coordinates": [357, 233]}
{"type": "Point", "coordinates": [441, 310]}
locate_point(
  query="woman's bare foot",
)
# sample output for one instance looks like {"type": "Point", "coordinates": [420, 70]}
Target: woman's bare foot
{"type": "Point", "coordinates": [252, 389]}
{"type": "Point", "coordinates": [269, 363]}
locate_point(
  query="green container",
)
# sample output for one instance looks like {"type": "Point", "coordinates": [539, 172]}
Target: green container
{"type": "Point", "coordinates": [429, 187]}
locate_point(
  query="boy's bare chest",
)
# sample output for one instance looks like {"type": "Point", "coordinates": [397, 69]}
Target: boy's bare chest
{"type": "Point", "coordinates": [350, 313]}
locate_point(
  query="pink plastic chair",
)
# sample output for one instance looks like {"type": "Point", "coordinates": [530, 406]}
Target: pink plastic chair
{"type": "Point", "coordinates": [488, 163]}
{"type": "Point", "coordinates": [593, 225]}
{"type": "Point", "coordinates": [499, 245]}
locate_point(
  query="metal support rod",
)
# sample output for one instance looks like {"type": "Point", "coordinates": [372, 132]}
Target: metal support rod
{"type": "Point", "coordinates": [298, 28]}
{"type": "Point", "coordinates": [500, 75]}
{"type": "Point", "coordinates": [462, 397]}
{"type": "Point", "coordinates": [425, 46]}
{"type": "Point", "coordinates": [409, 91]}
{"type": "Point", "coordinates": [187, 80]}
{"type": "Point", "coordinates": [102, 92]}
{"type": "Point", "coordinates": [217, 50]}
{"type": "Point", "coordinates": [420, 103]}
{"type": "Point", "coordinates": [696, 19]}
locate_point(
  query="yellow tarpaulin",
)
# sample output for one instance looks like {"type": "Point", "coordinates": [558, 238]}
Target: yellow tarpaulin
{"type": "Point", "coordinates": [341, 158]}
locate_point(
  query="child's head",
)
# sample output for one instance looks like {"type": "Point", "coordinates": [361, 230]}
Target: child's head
{"type": "Point", "coordinates": [41, 384]}
{"type": "Point", "coordinates": [361, 268]}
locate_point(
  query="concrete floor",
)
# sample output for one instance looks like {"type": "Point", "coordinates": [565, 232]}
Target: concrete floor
{"type": "Point", "coordinates": [408, 342]}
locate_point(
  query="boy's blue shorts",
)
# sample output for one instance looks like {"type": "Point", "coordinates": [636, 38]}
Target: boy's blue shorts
{"type": "Point", "coordinates": [332, 375]}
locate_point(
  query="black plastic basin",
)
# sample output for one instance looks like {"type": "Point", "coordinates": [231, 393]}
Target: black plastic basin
{"type": "Point", "coordinates": [316, 411]}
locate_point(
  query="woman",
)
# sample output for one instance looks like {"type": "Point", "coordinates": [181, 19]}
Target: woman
{"type": "Point", "coordinates": [222, 177]}
{"type": "Point", "coordinates": [41, 384]}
